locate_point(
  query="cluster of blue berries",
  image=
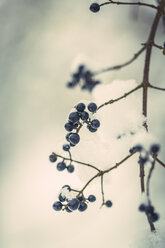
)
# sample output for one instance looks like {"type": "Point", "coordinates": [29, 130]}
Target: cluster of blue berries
{"type": "Point", "coordinates": [94, 7]}
{"type": "Point", "coordinates": [154, 150]}
{"type": "Point", "coordinates": [149, 209]}
{"type": "Point", "coordinates": [75, 122]}
{"type": "Point", "coordinates": [83, 78]}
{"type": "Point", "coordinates": [61, 166]}
{"type": "Point", "coordinates": [69, 205]}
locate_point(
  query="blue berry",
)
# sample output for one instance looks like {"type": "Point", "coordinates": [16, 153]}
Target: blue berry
{"type": "Point", "coordinates": [80, 107]}
{"type": "Point", "coordinates": [71, 84]}
{"type": "Point", "coordinates": [57, 206]}
{"type": "Point", "coordinates": [92, 107]}
{"type": "Point", "coordinates": [74, 117]}
{"type": "Point", "coordinates": [72, 145]}
{"type": "Point", "coordinates": [81, 198]}
{"type": "Point", "coordinates": [74, 138]}
{"type": "Point", "coordinates": [95, 123]}
{"type": "Point", "coordinates": [70, 168]}
{"type": "Point", "coordinates": [66, 147]}
{"type": "Point", "coordinates": [61, 198]}
{"type": "Point", "coordinates": [91, 129]}
{"type": "Point", "coordinates": [82, 207]}
{"type": "Point", "coordinates": [67, 186]}
{"type": "Point", "coordinates": [108, 204]}
{"type": "Point", "coordinates": [95, 7]}
{"type": "Point", "coordinates": [53, 158]}
{"type": "Point", "coordinates": [154, 148]}
{"type": "Point", "coordinates": [91, 198]}
{"type": "Point", "coordinates": [68, 126]}
{"type": "Point", "coordinates": [84, 116]}
{"type": "Point", "coordinates": [150, 209]}
{"type": "Point", "coordinates": [143, 160]}
{"type": "Point", "coordinates": [73, 204]}
{"type": "Point", "coordinates": [68, 210]}
{"type": "Point", "coordinates": [154, 217]}
{"type": "Point", "coordinates": [142, 208]}
{"type": "Point", "coordinates": [61, 166]}
{"type": "Point", "coordinates": [67, 136]}
{"type": "Point", "coordinates": [138, 148]}
{"type": "Point", "coordinates": [75, 126]}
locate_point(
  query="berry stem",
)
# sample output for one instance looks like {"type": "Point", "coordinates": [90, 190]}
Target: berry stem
{"type": "Point", "coordinates": [130, 3]}
{"type": "Point", "coordinates": [148, 181]}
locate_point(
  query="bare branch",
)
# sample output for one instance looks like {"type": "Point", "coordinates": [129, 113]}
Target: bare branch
{"type": "Point", "coordinates": [156, 88]}
{"type": "Point", "coordinates": [142, 175]}
{"type": "Point", "coordinates": [102, 191]}
{"type": "Point", "coordinates": [130, 3]}
{"type": "Point", "coordinates": [117, 67]}
{"type": "Point", "coordinates": [148, 181]}
{"type": "Point", "coordinates": [159, 161]}
{"type": "Point", "coordinates": [119, 98]}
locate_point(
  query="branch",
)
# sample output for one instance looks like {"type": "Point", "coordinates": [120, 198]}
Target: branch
{"type": "Point", "coordinates": [117, 67]}
{"type": "Point", "coordinates": [129, 3]}
{"type": "Point", "coordinates": [142, 175]}
{"type": "Point", "coordinates": [156, 88]}
{"type": "Point", "coordinates": [148, 181]}
{"type": "Point", "coordinates": [159, 161]}
{"type": "Point", "coordinates": [119, 98]}
{"type": "Point", "coordinates": [78, 162]}
{"type": "Point", "coordinates": [102, 191]}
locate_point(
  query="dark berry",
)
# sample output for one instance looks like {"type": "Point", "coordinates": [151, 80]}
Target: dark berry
{"type": "Point", "coordinates": [61, 166]}
{"type": "Point", "coordinates": [53, 158]}
{"type": "Point", "coordinates": [61, 198]}
{"type": "Point", "coordinates": [150, 209]}
{"type": "Point", "coordinates": [80, 107]}
{"type": "Point", "coordinates": [67, 186]}
{"type": "Point", "coordinates": [143, 160]}
{"type": "Point", "coordinates": [68, 210]}
{"type": "Point", "coordinates": [138, 148]}
{"type": "Point", "coordinates": [57, 206]}
{"type": "Point", "coordinates": [66, 147]}
{"type": "Point", "coordinates": [67, 136]}
{"type": "Point", "coordinates": [73, 204]}
{"type": "Point", "coordinates": [75, 126]}
{"type": "Point", "coordinates": [71, 84]}
{"type": "Point", "coordinates": [108, 204]}
{"type": "Point", "coordinates": [68, 126]}
{"type": "Point", "coordinates": [82, 207]}
{"type": "Point", "coordinates": [142, 208]}
{"type": "Point", "coordinates": [72, 145]}
{"type": "Point", "coordinates": [91, 198]}
{"type": "Point", "coordinates": [92, 107]}
{"type": "Point", "coordinates": [84, 116]}
{"type": "Point", "coordinates": [154, 217]}
{"type": "Point", "coordinates": [154, 148]}
{"type": "Point", "coordinates": [70, 168]}
{"type": "Point", "coordinates": [74, 117]}
{"type": "Point", "coordinates": [91, 129]}
{"type": "Point", "coordinates": [95, 7]}
{"type": "Point", "coordinates": [95, 123]}
{"type": "Point", "coordinates": [81, 198]}
{"type": "Point", "coordinates": [74, 138]}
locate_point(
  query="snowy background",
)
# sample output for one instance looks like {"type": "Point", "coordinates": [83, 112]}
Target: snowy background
{"type": "Point", "coordinates": [41, 43]}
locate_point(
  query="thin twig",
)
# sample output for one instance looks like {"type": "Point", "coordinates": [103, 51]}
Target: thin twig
{"type": "Point", "coordinates": [119, 98]}
{"type": "Point", "coordinates": [102, 190]}
{"type": "Point", "coordinates": [148, 181]}
{"type": "Point", "coordinates": [142, 175]}
{"type": "Point", "coordinates": [117, 67]}
{"type": "Point", "coordinates": [159, 161]}
{"type": "Point", "coordinates": [78, 162]}
{"type": "Point", "coordinates": [130, 3]}
{"type": "Point", "coordinates": [156, 88]}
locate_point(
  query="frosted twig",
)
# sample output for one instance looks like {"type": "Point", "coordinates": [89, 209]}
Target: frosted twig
{"type": "Point", "coordinates": [156, 88]}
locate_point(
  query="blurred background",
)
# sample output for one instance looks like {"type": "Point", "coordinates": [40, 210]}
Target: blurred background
{"type": "Point", "coordinates": [41, 43]}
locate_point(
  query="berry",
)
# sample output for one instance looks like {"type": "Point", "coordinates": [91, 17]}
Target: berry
{"type": "Point", "coordinates": [74, 117]}
{"type": "Point", "coordinates": [91, 129]}
{"type": "Point", "coordinates": [142, 160]}
{"type": "Point", "coordinates": [108, 204]}
{"type": "Point", "coordinates": [84, 116]}
{"type": "Point", "coordinates": [75, 126]}
{"type": "Point", "coordinates": [95, 123]}
{"type": "Point", "coordinates": [71, 84]}
{"type": "Point", "coordinates": [74, 138]}
{"type": "Point", "coordinates": [138, 148]}
{"type": "Point", "coordinates": [80, 107]}
{"type": "Point", "coordinates": [68, 210]}
{"type": "Point", "coordinates": [61, 198]}
{"type": "Point", "coordinates": [57, 206]}
{"type": "Point", "coordinates": [66, 186]}
{"type": "Point", "coordinates": [92, 107]}
{"type": "Point", "coordinates": [82, 207]}
{"type": "Point", "coordinates": [61, 166]}
{"type": "Point", "coordinates": [142, 208]}
{"type": "Point", "coordinates": [68, 126]}
{"type": "Point", "coordinates": [53, 158]}
{"type": "Point", "coordinates": [150, 209]}
{"type": "Point", "coordinates": [154, 217]}
{"type": "Point", "coordinates": [73, 204]}
{"type": "Point", "coordinates": [154, 148]}
{"type": "Point", "coordinates": [66, 147]}
{"type": "Point", "coordinates": [95, 7]}
{"type": "Point", "coordinates": [67, 136]}
{"type": "Point", "coordinates": [81, 198]}
{"type": "Point", "coordinates": [70, 168]}
{"type": "Point", "coordinates": [91, 198]}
